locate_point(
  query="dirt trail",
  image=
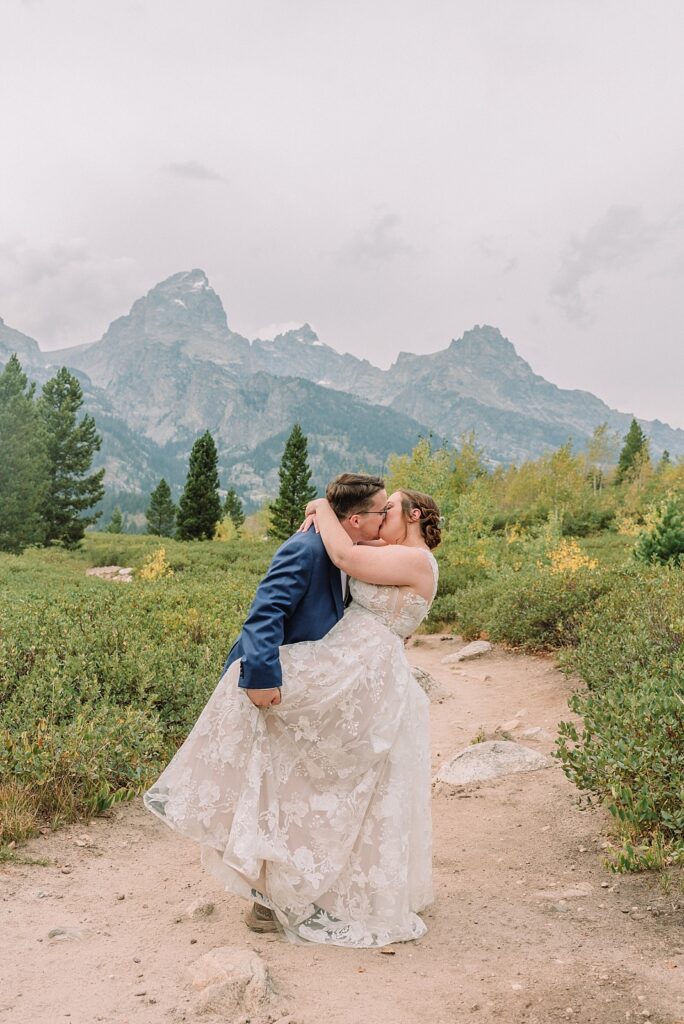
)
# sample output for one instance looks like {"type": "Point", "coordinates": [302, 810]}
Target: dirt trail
{"type": "Point", "coordinates": [521, 928]}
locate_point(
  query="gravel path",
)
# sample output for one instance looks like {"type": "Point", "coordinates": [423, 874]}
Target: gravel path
{"type": "Point", "coordinates": [527, 923]}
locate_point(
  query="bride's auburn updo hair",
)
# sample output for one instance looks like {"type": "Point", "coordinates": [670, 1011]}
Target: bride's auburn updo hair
{"type": "Point", "coordinates": [430, 517]}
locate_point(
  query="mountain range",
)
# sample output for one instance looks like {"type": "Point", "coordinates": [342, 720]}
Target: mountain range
{"type": "Point", "coordinates": [172, 368]}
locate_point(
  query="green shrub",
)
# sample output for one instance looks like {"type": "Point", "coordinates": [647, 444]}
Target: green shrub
{"type": "Point", "coordinates": [629, 751]}
{"type": "Point", "coordinates": [443, 613]}
{"type": "Point", "coordinates": [534, 609]}
{"type": "Point", "coordinates": [100, 681]}
{"type": "Point", "coordinates": [586, 522]}
{"type": "Point", "coordinates": [664, 542]}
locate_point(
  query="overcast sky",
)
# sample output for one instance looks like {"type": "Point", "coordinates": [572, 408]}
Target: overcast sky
{"type": "Point", "coordinates": [393, 172]}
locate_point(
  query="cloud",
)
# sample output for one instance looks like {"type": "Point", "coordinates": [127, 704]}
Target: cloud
{"type": "Point", "coordinates": [25, 266]}
{"type": "Point", "coordinates": [497, 251]}
{"type": "Point", "coordinates": [192, 170]}
{"type": "Point", "coordinates": [378, 243]}
{"type": "Point", "coordinates": [619, 239]}
{"type": "Point", "coordinates": [62, 293]}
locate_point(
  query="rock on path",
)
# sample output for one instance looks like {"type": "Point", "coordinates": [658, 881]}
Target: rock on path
{"type": "Point", "coordinates": [473, 650]}
{"type": "Point", "coordinates": [490, 760]}
{"type": "Point", "coordinates": [229, 979]}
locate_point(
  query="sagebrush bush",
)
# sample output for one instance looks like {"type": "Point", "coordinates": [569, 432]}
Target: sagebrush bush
{"type": "Point", "coordinates": [100, 682]}
{"type": "Point", "coordinates": [453, 579]}
{"type": "Point", "coordinates": [630, 748]}
{"type": "Point", "coordinates": [533, 609]}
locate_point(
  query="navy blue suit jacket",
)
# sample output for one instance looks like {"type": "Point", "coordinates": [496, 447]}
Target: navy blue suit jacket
{"type": "Point", "coordinates": [299, 598]}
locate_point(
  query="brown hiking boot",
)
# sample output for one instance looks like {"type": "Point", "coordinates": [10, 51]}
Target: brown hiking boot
{"type": "Point", "coordinates": [260, 919]}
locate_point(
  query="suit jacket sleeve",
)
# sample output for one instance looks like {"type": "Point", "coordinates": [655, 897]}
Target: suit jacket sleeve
{"type": "Point", "coordinates": [276, 598]}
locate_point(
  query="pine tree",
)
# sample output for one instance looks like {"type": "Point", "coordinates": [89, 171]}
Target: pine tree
{"type": "Point", "coordinates": [161, 513]}
{"type": "Point", "coordinates": [71, 447]}
{"type": "Point", "coordinates": [287, 511]}
{"type": "Point", "coordinates": [199, 510]}
{"type": "Point", "coordinates": [665, 542]}
{"type": "Point", "coordinates": [116, 524]}
{"type": "Point", "coordinates": [665, 460]}
{"type": "Point", "coordinates": [24, 466]}
{"type": "Point", "coordinates": [232, 507]}
{"type": "Point", "coordinates": [634, 451]}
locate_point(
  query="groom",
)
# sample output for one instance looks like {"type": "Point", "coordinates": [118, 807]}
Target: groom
{"type": "Point", "coordinates": [301, 597]}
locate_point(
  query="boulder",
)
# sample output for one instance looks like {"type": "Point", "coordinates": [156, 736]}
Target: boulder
{"type": "Point", "coordinates": [229, 980]}
{"type": "Point", "coordinates": [115, 573]}
{"type": "Point", "coordinates": [473, 650]}
{"type": "Point", "coordinates": [490, 760]}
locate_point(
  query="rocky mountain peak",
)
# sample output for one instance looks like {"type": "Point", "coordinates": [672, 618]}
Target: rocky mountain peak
{"type": "Point", "coordinates": [483, 341]}
{"type": "Point", "coordinates": [305, 335]}
{"type": "Point", "coordinates": [184, 301]}
{"type": "Point", "coordinates": [26, 348]}
{"type": "Point", "coordinates": [184, 281]}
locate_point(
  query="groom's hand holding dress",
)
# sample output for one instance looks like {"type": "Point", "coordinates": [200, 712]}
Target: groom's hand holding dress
{"type": "Point", "coordinates": [264, 698]}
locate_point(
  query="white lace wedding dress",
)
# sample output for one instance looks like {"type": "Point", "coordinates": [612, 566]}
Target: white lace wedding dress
{"type": "Point", "coordinates": [319, 808]}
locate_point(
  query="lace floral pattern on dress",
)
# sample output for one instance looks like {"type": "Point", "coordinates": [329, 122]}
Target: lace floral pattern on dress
{"type": "Point", "coordinates": [319, 807]}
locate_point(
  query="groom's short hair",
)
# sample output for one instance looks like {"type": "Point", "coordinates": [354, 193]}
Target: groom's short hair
{"type": "Point", "coordinates": [353, 492]}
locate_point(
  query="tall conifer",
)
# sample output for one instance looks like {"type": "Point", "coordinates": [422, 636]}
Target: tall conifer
{"type": "Point", "coordinates": [287, 511]}
{"type": "Point", "coordinates": [24, 466]}
{"type": "Point", "coordinates": [161, 513]}
{"type": "Point", "coordinates": [232, 507]}
{"type": "Point", "coordinates": [71, 447]}
{"type": "Point", "coordinates": [199, 509]}
{"type": "Point", "coordinates": [116, 523]}
{"type": "Point", "coordinates": [634, 451]}
{"type": "Point", "coordinates": [665, 460]}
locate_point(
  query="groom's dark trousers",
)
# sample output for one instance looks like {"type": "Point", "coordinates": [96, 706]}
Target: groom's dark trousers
{"type": "Point", "coordinates": [299, 598]}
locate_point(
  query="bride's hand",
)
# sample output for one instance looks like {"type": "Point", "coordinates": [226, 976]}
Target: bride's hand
{"type": "Point", "coordinates": [314, 505]}
{"type": "Point", "coordinates": [310, 515]}
{"type": "Point", "coordinates": [265, 698]}
{"type": "Point", "coordinates": [308, 523]}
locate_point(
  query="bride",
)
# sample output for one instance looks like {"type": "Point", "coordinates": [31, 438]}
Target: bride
{"type": "Point", "coordinates": [318, 807]}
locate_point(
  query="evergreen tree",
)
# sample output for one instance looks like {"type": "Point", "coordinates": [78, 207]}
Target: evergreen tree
{"type": "Point", "coordinates": [665, 542]}
{"type": "Point", "coordinates": [665, 460]}
{"type": "Point", "coordinates": [161, 513]}
{"type": "Point", "coordinates": [287, 511]}
{"type": "Point", "coordinates": [233, 509]}
{"type": "Point", "coordinates": [116, 524]}
{"type": "Point", "coordinates": [199, 510]}
{"type": "Point", "coordinates": [634, 451]}
{"type": "Point", "coordinates": [24, 466]}
{"type": "Point", "coordinates": [71, 447]}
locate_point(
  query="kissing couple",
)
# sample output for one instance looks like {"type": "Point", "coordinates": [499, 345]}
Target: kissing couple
{"type": "Point", "coordinates": [306, 778]}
